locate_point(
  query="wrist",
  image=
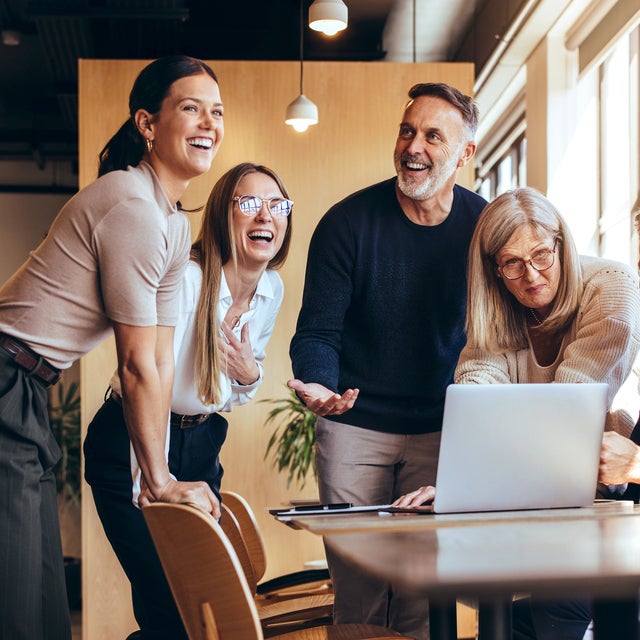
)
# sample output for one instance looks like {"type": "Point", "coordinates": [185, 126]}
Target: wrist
{"type": "Point", "coordinates": [158, 485]}
{"type": "Point", "coordinates": [634, 475]}
{"type": "Point", "coordinates": [252, 380]}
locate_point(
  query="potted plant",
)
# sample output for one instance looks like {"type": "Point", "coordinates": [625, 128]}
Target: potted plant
{"type": "Point", "coordinates": [293, 441]}
{"type": "Point", "coordinates": [64, 419]}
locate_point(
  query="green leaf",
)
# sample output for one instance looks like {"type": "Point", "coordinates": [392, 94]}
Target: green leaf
{"type": "Point", "coordinates": [292, 444]}
{"type": "Point", "coordinates": [64, 420]}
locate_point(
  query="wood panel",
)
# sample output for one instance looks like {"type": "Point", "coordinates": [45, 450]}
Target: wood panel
{"type": "Point", "coordinates": [360, 106]}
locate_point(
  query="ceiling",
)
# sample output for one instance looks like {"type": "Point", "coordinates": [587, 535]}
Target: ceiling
{"type": "Point", "coordinates": [38, 76]}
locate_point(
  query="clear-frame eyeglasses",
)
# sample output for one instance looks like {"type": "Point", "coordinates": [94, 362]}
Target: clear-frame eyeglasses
{"type": "Point", "coordinates": [251, 205]}
{"type": "Point", "coordinates": [541, 260]}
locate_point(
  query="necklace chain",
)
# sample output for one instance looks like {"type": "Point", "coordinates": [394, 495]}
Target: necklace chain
{"type": "Point", "coordinates": [235, 318]}
{"type": "Point", "coordinates": [535, 317]}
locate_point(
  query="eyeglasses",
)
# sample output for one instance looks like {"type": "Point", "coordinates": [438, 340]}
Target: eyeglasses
{"type": "Point", "coordinates": [251, 205]}
{"type": "Point", "coordinates": [541, 261]}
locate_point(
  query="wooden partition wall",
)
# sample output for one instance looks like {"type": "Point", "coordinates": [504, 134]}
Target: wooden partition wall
{"type": "Point", "coordinates": [360, 106]}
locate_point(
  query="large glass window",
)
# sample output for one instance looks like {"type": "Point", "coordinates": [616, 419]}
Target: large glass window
{"type": "Point", "coordinates": [617, 81]}
{"type": "Point", "coordinates": [613, 87]}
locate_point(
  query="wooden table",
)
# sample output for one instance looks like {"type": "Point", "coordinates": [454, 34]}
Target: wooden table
{"type": "Point", "coordinates": [556, 553]}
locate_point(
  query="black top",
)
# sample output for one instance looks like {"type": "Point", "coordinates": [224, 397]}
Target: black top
{"type": "Point", "coordinates": [384, 306]}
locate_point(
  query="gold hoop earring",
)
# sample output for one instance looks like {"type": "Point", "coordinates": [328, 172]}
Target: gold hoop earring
{"type": "Point", "coordinates": [149, 145]}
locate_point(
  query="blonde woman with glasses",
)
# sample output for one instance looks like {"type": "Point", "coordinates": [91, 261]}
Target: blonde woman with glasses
{"type": "Point", "coordinates": [229, 301]}
{"type": "Point", "coordinates": [539, 312]}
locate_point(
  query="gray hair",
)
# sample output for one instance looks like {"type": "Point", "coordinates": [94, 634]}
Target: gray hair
{"type": "Point", "coordinates": [463, 103]}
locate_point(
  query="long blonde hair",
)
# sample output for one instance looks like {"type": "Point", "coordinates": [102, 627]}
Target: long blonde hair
{"type": "Point", "coordinates": [213, 248]}
{"type": "Point", "coordinates": [496, 321]}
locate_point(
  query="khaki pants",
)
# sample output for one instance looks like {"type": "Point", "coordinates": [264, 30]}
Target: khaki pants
{"type": "Point", "coordinates": [368, 467]}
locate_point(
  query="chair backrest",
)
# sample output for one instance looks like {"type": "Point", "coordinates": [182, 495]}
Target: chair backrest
{"type": "Point", "coordinates": [231, 528]}
{"type": "Point", "coordinates": [250, 531]}
{"type": "Point", "coordinates": [205, 575]}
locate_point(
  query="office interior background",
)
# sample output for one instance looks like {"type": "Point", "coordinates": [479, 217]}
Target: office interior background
{"type": "Point", "coordinates": [557, 83]}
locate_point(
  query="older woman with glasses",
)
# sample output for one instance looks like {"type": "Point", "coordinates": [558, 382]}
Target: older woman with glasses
{"type": "Point", "coordinates": [229, 300]}
{"type": "Point", "coordinates": [538, 312]}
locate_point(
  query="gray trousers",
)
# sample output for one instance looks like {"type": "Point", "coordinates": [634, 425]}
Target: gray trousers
{"type": "Point", "coordinates": [33, 599]}
{"type": "Point", "coordinates": [367, 467]}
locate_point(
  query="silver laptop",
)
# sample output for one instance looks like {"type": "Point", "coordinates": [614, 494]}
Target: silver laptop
{"type": "Point", "coordinates": [520, 446]}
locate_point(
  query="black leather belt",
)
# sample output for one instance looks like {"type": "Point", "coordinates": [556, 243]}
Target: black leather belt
{"type": "Point", "coordinates": [178, 420]}
{"type": "Point", "coordinates": [29, 360]}
{"type": "Point", "coordinates": [186, 422]}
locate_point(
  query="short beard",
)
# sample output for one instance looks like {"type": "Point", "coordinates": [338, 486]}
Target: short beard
{"type": "Point", "coordinates": [438, 176]}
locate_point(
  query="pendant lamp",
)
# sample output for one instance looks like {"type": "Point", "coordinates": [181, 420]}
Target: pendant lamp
{"type": "Point", "coordinates": [328, 16]}
{"type": "Point", "coordinates": [301, 113]}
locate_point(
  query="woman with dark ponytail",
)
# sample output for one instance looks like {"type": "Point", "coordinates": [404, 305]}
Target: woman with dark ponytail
{"type": "Point", "coordinates": [128, 145]}
{"type": "Point", "coordinates": [111, 262]}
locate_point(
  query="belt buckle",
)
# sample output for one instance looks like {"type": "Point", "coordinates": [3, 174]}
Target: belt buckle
{"type": "Point", "coordinates": [187, 421]}
{"type": "Point", "coordinates": [11, 349]}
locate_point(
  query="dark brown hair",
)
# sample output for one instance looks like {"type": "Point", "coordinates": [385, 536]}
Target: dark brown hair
{"type": "Point", "coordinates": [150, 88]}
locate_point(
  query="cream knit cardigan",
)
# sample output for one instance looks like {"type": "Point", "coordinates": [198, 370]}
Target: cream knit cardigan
{"type": "Point", "coordinates": [600, 345]}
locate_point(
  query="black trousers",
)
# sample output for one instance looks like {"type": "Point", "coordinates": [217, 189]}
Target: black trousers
{"type": "Point", "coordinates": [33, 597]}
{"type": "Point", "coordinates": [193, 455]}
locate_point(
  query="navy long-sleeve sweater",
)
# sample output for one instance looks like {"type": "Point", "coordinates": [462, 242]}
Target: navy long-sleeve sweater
{"type": "Point", "coordinates": [383, 308]}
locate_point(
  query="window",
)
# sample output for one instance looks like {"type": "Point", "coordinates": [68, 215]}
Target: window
{"type": "Point", "coordinates": [613, 87]}
{"type": "Point", "coordinates": [505, 168]}
{"type": "Point", "coordinates": [615, 83]}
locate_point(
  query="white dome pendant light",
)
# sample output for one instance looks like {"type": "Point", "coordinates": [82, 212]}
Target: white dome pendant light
{"type": "Point", "coordinates": [328, 16]}
{"type": "Point", "coordinates": [301, 113]}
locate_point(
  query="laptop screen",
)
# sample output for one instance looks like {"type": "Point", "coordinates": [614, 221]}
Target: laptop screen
{"type": "Point", "coordinates": [520, 446]}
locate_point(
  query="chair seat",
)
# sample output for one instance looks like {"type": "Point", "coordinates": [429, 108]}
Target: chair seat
{"type": "Point", "coordinates": [343, 632]}
{"type": "Point", "coordinates": [317, 606]}
{"type": "Point", "coordinates": [307, 578]}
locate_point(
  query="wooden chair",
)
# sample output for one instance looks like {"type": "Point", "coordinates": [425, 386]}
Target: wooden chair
{"type": "Point", "coordinates": [209, 585]}
{"type": "Point", "coordinates": [296, 612]}
{"type": "Point", "coordinates": [306, 582]}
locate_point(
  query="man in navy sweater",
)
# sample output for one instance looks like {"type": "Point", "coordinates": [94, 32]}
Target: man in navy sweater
{"type": "Point", "coordinates": [380, 330]}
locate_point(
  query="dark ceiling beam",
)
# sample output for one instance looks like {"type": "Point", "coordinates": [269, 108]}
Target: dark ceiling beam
{"type": "Point", "coordinates": [49, 10]}
{"type": "Point", "coordinates": [54, 137]}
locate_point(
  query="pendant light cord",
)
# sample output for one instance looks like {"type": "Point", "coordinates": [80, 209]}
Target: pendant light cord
{"type": "Point", "coordinates": [414, 31]}
{"type": "Point", "coordinates": [301, 42]}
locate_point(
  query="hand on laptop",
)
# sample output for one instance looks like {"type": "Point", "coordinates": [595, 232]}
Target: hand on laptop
{"type": "Point", "coordinates": [420, 496]}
